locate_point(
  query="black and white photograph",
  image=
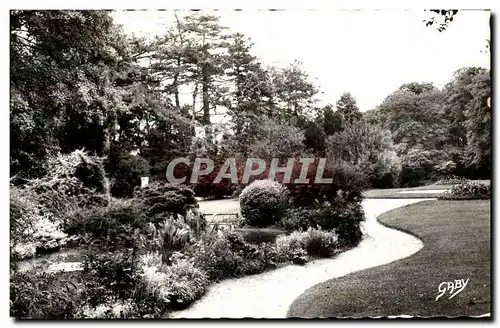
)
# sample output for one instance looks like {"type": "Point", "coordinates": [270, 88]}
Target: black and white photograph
{"type": "Point", "coordinates": [250, 164]}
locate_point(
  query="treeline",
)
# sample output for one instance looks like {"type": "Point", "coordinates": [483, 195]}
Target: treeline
{"type": "Point", "coordinates": [79, 82]}
{"type": "Point", "coordinates": [440, 132]}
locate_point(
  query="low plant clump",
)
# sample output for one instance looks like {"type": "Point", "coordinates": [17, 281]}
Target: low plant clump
{"type": "Point", "coordinates": [468, 191]}
{"type": "Point", "coordinates": [315, 243]}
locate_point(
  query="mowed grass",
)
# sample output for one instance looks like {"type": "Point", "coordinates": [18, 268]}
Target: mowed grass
{"type": "Point", "coordinates": [456, 237]}
{"type": "Point", "coordinates": [395, 192]}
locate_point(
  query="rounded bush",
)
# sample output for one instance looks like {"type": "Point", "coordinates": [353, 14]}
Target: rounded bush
{"type": "Point", "coordinates": [167, 199]}
{"type": "Point", "coordinates": [263, 203]}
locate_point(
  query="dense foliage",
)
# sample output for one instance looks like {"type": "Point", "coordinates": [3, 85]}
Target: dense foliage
{"type": "Point", "coordinates": [162, 199]}
{"type": "Point", "coordinates": [28, 296]}
{"type": "Point", "coordinates": [263, 203]}
{"type": "Point", "coordinates": [93, 110]}
{"type": "Point", "coordinates": [440, 132]}
{"type": "Point", "coordinates": [87, 86]}
{"type": "Point", "coordinates": [340, 215]}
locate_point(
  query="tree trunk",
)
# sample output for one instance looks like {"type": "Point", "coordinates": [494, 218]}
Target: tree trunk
{"type": "Point", "coordinates": [176, 84]}
{"type": "Point", "coordinates": [107, 152]}
{"type": "Point", "coordinates": [195, 95]}
{"type": "Point", "coordinates": [206, 103]}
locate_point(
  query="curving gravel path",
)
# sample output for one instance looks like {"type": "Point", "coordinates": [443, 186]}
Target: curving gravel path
{"type": "Point", "coordinates": [268, 295]}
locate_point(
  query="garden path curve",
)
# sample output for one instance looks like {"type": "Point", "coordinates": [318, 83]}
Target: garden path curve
{"type": "Point", "coordinates": [269, 294]}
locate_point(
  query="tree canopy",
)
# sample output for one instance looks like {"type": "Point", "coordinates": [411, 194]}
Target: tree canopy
{"type": "Point", "coordinates": [79, 82]}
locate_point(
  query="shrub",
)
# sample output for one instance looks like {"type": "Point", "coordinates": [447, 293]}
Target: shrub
{"type": "Point", "coordinates": [175, 285]}
{"type": "Point", "coordinates": [169, 237]}
{"type": "Point", "coordinates": [349, 181]}
{"type": "Point", "coordinates": [113, 224]}
{"type": "Point", "coordinates": [86, 169]}
{"type": "Point", "coordinates": [259, 258]}
{"type": "Point", "coordinates": [340, 215]}
{"type": "Point", "coordinates": [319, 243]}
{"type": "Point", "coordinates": [33, 228]}
{"type": "Point", "coordinates": [215, 255]}
{"type": "Point", "coordinates": [110, 276]}
{"type": "Point", "coordinates": [418, 167]}
{"type": "Point", "coordinates": [196, 221]}
{"type": "Point", "coordinates": [166, 199]}
{"type": "Point", "coordinates": [21, 251]}
{"type": "Point", "coordinates": [48, 236]}
{"type": "Point", "coordinates": [344, 218]}
{"type": "Point", "coordinates": [24, 214]}
{"type": "Point", "coordinates": [346, 178]}
{"type": "Point", "coordinates": [386, 171]}
{"type": "Point", "coordinates": [115, 287]}
{"type": "Point", "coordinates": [468, 190]}
{"type": "Point", "coordinates": [112, 309]}
{"type": "Point", "coordinates": [299, 218]}
{"type": "Point", "coordinates": [259, 235]}
{"type": "Point", "coordinates": [290, 247]}
{"type": "Point", "coordinates": [472, 189]}
{"type": "Point", "coordinates": [185, 282]}
{"type": "Point", "coordinates": [42, 296]}
{"type": "Point", "coordinates": [225, 254]}
{"type": "Point", "coordinates": [153, 280]}
{"type": "Point", "coordinates": [91, 174]}
{"type": "Point", "coordinates": [60, 200]}
{"type": "Point", "coordinates": [112, 285]}
{"type": "Point", "coordinates": [313, 242]}
{"type": "Point", "coordinates": [263, 203]}
{"type": "Point", "coordinates": [127, 171]}
{"type": "Point", "coordinates": [72, 185]}
{"type": "Point", "coordinates": [368, 149]}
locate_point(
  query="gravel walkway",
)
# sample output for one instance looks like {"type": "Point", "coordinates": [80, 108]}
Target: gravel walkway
{"type": "Point", "coordinates": [268, 295]}
{"type": "Point", "coordinates": [219, 206]}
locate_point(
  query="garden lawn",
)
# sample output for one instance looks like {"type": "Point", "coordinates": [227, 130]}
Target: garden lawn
{"type": "Point", "coordinates": [457, 245]}
{"type": "Point", "coordinates": [395, 192]}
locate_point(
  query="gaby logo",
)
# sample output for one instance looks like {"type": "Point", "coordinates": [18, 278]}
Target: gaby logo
{"type": "Point", "coordinates": [452, 287]}
{"type": "Point", "coordinates": [252, 167]}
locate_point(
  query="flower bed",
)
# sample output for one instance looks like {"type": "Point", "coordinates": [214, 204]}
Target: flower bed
{"type": "Point", "coordinates": [468, 191]}
{"type": "Point", "coordinates": [143, 283]}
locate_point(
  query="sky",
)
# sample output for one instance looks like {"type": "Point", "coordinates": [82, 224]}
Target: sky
{"type": "Point", "coordinates": [367, 53]}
